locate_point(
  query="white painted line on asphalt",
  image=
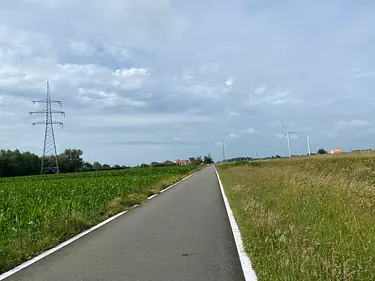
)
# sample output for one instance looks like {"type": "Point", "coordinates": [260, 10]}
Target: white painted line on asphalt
{"type": "Point", "coordinates": [247, 269]}
{"type": "Point", "coordinates": [165, 189]}
{"type": "Point", "coordinates": [152, 196]}
{"type": "Point", "coordinates": [58, 247]}
{"type": "Point", "coordinates": [50, 251]}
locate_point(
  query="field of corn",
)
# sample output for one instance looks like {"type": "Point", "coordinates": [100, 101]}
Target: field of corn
{"type": "Point", "coordinates": [306, 218]}
{"type": "Point", "coordinates": [38, 212]}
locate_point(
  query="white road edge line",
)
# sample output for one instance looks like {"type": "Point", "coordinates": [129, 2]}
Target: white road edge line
{"type": "Point", "coordinates": [247, 269]}
{"type": "Point", "coordinates": [152, 196]}
{"type": "Point", "coordinates": [58, 247]}
{"type": "Point", "coordinates": [165, 189]}
{"type": "Point", "coordinates": [71, 240]}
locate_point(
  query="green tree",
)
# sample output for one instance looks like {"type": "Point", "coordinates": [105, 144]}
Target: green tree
{"type": "Point", "coordinates": [208, 159]}
{"type": "Point", "coordinates": [15, 163]}
{"type": "Point", "coordinates": [71, 161]}
{"type": "Point", "coordinates": [87, 167]}
{"type": "Point", "coordinates": [322, 151]}
{"type": "Point", "coordinates": [97, 166]}
{"type": "Point", "coordinates": [198, 160]}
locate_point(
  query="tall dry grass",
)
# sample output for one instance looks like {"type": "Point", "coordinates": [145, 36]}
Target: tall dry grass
{"type": "Point", "coordinates": [306, 219]}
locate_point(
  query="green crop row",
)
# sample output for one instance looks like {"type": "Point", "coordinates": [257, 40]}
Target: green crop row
{"type": "Point", "coordinates": [37, 212]}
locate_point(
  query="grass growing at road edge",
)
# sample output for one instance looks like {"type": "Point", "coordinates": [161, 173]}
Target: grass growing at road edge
{"type": "Point", "coordinates": [306, 219]}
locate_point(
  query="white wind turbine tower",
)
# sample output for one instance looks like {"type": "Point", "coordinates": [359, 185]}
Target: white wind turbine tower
{"type": "Point", "coordinates": [256, 150]}
{"type": "Point", "coordinates": [308, 143]}
{"type": "Point", "coordinates": [287, 135]}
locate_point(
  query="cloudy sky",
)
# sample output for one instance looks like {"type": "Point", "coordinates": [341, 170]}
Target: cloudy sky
{"type": "Point", "coordinates": [151, 80]}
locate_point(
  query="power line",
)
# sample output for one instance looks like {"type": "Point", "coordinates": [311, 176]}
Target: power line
{"type": "Point", "coordinates": [49, 159]}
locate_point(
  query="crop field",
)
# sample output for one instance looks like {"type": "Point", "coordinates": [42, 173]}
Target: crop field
{"type": "Point", "coordinates": [38, 212]}
{"type": "Point", "coordinates": [307, 218]}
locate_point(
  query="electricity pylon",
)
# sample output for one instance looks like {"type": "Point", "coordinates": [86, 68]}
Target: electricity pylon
{"type": "Point", "coordinates": [49, 159]}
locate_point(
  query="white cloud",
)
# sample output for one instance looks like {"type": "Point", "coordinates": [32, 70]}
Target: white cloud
{"type": "Point", "coordinates": [121, 54]}
{"type": "Point", "coordinates": [41, 1]}
{"type": "Point", "coordinates": [141, 120]}
{"type": "Point", "coordinates": [75, 75]}
{"type": "Point", "coordinates": [368, 132]}
{"type": "Point", "coordinates": [229, 83]}
{"type": "Point", "coordinates": [331, 134]}
{"type": "Point", "coordinates": [353, 124]}
{"type": "Point", "coordinates": [233, 135]}
{"type": "Point", "coordinates": [260, 90]}
{"type": "Point", "coordinates": [188, 77]}
{"type": "Point", "coordinates": [139, 23]}
{"type": "Point", "coordinates": [263, 96]}
{"type": "Point", "coordinates": [177, 138]}
{"type": "Point", "coordinates": [363, 74]}
{"type": "Point", "coordinates": [248, 131]}
{"type": "Point", "coordinates": [209, 68]}
{"type": "Point", "coordinates": [16, 44]}
{"type": "Point", "coordinates": [131, 72]}
{"type": "Point", "coordinates": [12, 75]}
{"type": "Point", "coordinates": [230, 112]}
{"type": "Point", "coordinates": [191, 86]}
{"type": "Point", "coordinates": [111, 99]}
{"type": "Point", "coordinates": [81, 48]}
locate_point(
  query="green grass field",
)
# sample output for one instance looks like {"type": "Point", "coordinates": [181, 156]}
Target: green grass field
{"type": "Point", "coordinates": [308, 218]}
{"type": "Point", "coordinates": [38, 212]}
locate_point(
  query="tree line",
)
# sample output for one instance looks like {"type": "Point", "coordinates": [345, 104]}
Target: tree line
{"type": "Point", "coordinates": [17, 163]}
{"type": "Point", "coordinates": [193, 161]}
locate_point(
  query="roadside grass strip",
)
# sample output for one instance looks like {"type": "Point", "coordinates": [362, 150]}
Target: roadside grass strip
{"type": "Point", "coordinates": [305, 218]}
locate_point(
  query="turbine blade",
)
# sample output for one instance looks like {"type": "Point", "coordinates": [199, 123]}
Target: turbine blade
{"type": "Point", "coordinates": [282, 123]}
{"type": "Point", "coordinates": [284, 137]}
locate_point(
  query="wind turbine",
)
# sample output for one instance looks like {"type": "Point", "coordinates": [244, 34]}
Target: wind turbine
{"type": "Point", "coordinates": [223, 144]}
{"type": "Point", "coordinates": [308, 143]}
{"type": "Point", "coordinates": [287, 135]}
{"type": "Point", "coordinates": [256, 149]}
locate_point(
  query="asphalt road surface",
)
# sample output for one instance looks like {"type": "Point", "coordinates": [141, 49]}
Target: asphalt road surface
{"type": "Point", "coordinates": [182, 234]}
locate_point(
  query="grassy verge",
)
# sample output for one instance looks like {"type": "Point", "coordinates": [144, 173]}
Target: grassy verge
{"type": "Point", "coordinates": [306, 219]}
{"type": "Point", "coordinates": [39, 212]}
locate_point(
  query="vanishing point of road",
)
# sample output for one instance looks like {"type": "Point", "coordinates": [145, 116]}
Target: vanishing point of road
{"type": "Point", "coordinates": [182, 234]}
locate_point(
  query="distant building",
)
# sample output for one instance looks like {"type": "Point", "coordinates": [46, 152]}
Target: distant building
{"type": "Point", "coordinates": [336, 151]}
{"type": "Point", "coordinates": [182, 162]}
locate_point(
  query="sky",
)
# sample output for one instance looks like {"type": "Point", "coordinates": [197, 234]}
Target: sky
{"type": "Point", "coordinates": [156, 80]}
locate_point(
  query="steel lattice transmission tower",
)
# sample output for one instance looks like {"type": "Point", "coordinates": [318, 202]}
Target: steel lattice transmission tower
{"type": "Point", "coordinates": [49, 159]}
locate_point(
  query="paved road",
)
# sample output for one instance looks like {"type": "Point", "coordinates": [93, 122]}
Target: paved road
{"type": "Point", "coordinates": [149, 242]}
